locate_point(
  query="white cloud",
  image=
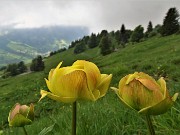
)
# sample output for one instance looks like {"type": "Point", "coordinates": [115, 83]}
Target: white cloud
{"type": "Point", "coordinates": [95, 14]}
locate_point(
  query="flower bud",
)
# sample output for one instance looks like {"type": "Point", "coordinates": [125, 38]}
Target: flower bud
{"type": "Point", "coordinates": [141, 92]}
{"type": "Point", "coordinates": [21, 115]}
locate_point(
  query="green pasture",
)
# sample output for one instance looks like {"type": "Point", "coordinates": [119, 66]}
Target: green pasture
{"type": "Point", "coordinates": [107, 116]}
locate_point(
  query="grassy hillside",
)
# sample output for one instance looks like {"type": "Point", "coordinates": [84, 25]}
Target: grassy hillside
{"type": "Point", "coordinates": [22, 48]}
{"type": "Point", "coordinates": [24, 44]}
{"type": "Point", "coordinates": [156, 56]}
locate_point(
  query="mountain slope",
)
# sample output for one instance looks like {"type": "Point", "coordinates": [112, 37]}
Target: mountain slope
{"type": "Point", "coordinates": [21, 44]}
{"type": "Point", "coordinates": [156, 56]}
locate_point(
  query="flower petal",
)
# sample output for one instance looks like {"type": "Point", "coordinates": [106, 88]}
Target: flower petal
{"type": "Point", "coordinates": [124, 81]}
{"type": "Point", "coordinates": [24, 109]}
{"type": "Point", "coordinates": [115, 89]}
{"type": "Point", "coordinates": [92, 72]}
{"type": "Point", "coordinates": [124, 101]}
{"type": "Point", "coordinates": [52, 72]}
{"type": "Point", "coordinates": [60, 76]}
{"type": "Point", "coordinates": [89, 95]}
{"type": "Point", "coordinates": [14, 111]}
{"type": "Point", "coordinates": [43, 94]}
{"type": "Point", "coordinates": [49, 85]}
{"type": "Point", "coordinates": [159, 108]}
{"type": "Point", "coordinates": [86, 93]}
{"type": "Point", "coordinates": [149, 84]}
{"type": "Point", "coordinates": [131, 96]}
{"type": "Point", "coordinates": [131, 77]}
{"type": "Point", "coordinates": [79, 63]}
{"type": "Point", "coordinates": [71, 84]}
{"type": "Point", "coordinates": [31, 112]}
{"type": "Point", "coordinates": [104, 84]}
{"type": "Point", "coordinates": [58, 66]}
{"type": "Point", "coordinates": [96, 94]}
{"type": "Point", "coordinates": [93, 75]}
{"type": "Point", "coordinates": [175, 97]}
{"type": "Point", "coordinates": [57, 98]}
{"type": "Point", "coordinates": [164, 90]}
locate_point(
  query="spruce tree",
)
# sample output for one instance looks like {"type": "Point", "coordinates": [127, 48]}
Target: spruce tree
{"type": "Point", "coordinates": [92, 41]}
{"type": "Point", "coordinates": [105, 45]}
{"type": "Point", "coordinates": [123, 37]}
{"type": "Point", "coordinates": [79, 48]}
{"type": "Point", "coordinates": [171, 22]}
{"type": "Point", "coordinates": [12, 69]}
{"type": "Point", "coordinates": [103, 33]}
{"type": "Point", "coordinates": [37, 64]}
{"type": "Point", "coordinates": [149, 27]}
{"type": "Point", "coordinates": [21, 67]}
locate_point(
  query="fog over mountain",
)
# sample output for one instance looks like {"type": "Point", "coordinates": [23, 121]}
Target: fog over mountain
{"type": "Point", "coordinates": [26, 43]}
{"type": "Point", "coordinates": [94, 14]}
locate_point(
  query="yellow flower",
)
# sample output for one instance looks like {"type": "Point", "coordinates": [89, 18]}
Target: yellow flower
{"type": "Point", "coordinates": [82, 80]}
{"type": "Point", "coordinates": [141, 92]}
{"type": "Point", "coordinates": [21, 115]}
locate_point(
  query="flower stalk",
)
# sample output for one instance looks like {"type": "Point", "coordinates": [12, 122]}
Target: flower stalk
{"type": "Point", "coordinates": [74, 111]}
{"type": "Point", "coordinates": [25, 132]}
{"type": "Point", "coordinates": [150, 125]}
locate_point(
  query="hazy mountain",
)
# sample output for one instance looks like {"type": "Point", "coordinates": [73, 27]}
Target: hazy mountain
{"type": "Point", "coordinates": [24, 44]}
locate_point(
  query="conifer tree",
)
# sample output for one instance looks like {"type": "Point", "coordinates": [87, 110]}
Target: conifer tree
{"type": "Point", "coordinates": [105, 45]}
{"type": "Point", "coordinates": [21, 67]}
{"type": "Point", "coordinates": [79, 48]}
{"type": "Point", "coordinates": [123, 36]}
{"type": "Point", "coordinates": [37, 64]}
{"type": "Point", "coordinates": [149, 27]}
{"type": "Point", "coordinates": [92, 41]}
{"type": "Point", "coordinates": [137, 34]}
{"type": "Point", "coordinates": [171, 22]}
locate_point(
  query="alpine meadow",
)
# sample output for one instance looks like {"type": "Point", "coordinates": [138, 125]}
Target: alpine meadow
{"type": "Point", "coordinates": [119, 82]}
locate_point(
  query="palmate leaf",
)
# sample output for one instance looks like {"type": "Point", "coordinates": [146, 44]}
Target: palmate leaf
{"type": "Point", "coordinates": [47, 130]}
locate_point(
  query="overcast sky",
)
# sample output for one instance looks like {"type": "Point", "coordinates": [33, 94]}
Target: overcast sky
{"type": "Point", "coordinates": [94, 14]}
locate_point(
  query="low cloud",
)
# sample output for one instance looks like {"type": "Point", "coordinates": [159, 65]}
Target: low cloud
{"type": "Point", "coordinates": [96, 15]}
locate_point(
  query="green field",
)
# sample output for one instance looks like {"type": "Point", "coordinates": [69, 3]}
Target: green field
{"type": "Point", "coordinates": [22, 48]}
{"type": "Point", "coordinates": [107, 116]}
{"type": "Point", "coordinates": [27, 53]}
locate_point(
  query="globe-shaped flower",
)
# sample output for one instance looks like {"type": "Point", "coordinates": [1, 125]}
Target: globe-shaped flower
{"type": "Point", "coordinates": [141, 92]}
{"type": "Point", "coordinates": [82, 80]}
{"type": "Point", "coordinates": [21, 115]}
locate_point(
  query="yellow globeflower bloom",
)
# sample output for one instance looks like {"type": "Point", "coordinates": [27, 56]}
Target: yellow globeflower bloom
{"type": "Point", "coordinates": [82, 80]}
{"type": "Point", "coordinates": [141, 92]}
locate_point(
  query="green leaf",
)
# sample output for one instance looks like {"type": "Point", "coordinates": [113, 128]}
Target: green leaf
{"type": "Point", "coordinates": [19, 121]}
{"type": "Point", "coordinates": [47, 130]}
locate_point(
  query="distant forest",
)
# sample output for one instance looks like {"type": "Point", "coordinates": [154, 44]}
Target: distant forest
{"type": "Point", "coordinates": [109, 41]}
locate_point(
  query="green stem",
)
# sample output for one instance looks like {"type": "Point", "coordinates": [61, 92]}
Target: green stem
{"type": "Point", "coordinates": [74, 110]}
{"type": "Point", "coordinates": [150, 125]}
{"type": "Point", "coordinates": [25, 132]}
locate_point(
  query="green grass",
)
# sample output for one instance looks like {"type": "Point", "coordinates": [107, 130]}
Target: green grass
{"type": "Point", "coordinates": [20, 46]}
{"type": "Point", "coordinates": [157, 57]}
{"type": "Point", "coordinates": [27, 53]}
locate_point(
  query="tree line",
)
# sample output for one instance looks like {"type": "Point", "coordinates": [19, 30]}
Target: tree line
{"type": "Point", "coordinates": [109, 41]}
{"type": "Point", "coordinates": [14, 69]}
